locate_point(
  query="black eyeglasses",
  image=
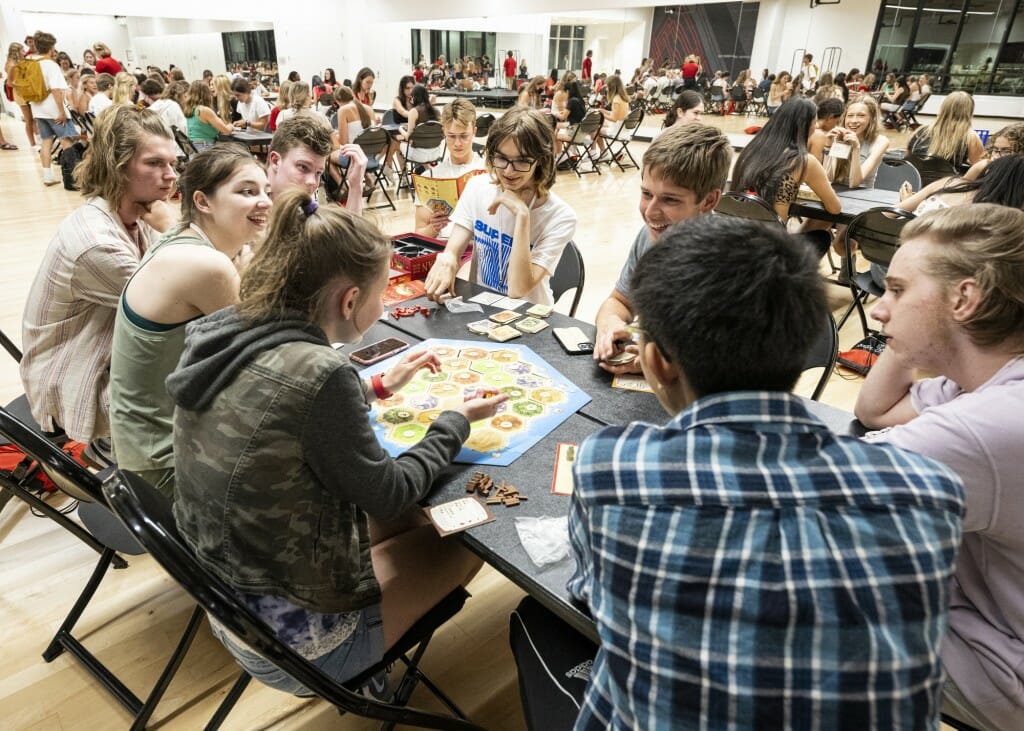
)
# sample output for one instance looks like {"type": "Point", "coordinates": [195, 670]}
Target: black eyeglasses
{"type": "Point", "coordinates": [522, 165]}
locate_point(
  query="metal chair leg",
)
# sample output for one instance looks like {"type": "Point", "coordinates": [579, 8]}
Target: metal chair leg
{"type": "Point", "coordinates": [56, 646]}
{"type": "Point", "coordinates": [143, 716]}
{"type": "Point", "coordinates": [239, 686]}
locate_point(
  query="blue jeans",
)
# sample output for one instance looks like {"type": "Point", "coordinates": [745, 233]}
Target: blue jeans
{"type": "Point", "coordinates": [363, 648]}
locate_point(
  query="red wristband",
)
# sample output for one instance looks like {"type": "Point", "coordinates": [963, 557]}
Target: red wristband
{"type": "Point", "coordinates": [377, 383]}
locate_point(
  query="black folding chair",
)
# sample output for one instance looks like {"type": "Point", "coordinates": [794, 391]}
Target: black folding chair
{"type": "Point", "coordinates": [104, 533]}
{"type": "Point", "coordinates": [876, 232]}
{"type": "Point", "coordinates": [188, 150]}
{"type": "Point", "coordinates": [715, 104]}
{"type": "Point", "coordinates": [147, 514]}
{"type": "Point", "coordinates": [823, 354]}
{"type": "Point", "coordinates": [570, 273]}
{"type": "Point", "coordinates": [910, 115]}
{"type": "Point", "coordinates": [893, 173]}
{"type": "Point", "coordinates": [374, 142]}
{"type": "Point", "coordinates": [580, 143]}
{"type": "Point", "coordinates": [622, 137]}
{"type": "Point", "coordinates": [10, 347]}
{"type": "Point", "coordinates": [483, 128]}
{"type": "Point", "coordinates": [931, 168]}
{"type": "Point", "coordinates": [553, 662]}
{"type": "Point", "coordinates": [748, 205]}
{"type": "Point", "coordinates": [422, 142]}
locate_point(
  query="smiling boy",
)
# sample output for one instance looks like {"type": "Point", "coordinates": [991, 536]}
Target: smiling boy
{"type": "Point", "coordinates": [684, 171]}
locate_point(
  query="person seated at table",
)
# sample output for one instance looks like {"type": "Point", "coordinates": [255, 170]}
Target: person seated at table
{"type": "Point", "coordinates": [1007, 141]}
{"type": "Point", "coordinates": [683, 173]}
{"type": "Point", "coordinates": [203, 123]}
{"type": "Point", "coordinates": [1001, 182]}
{"type": "Point", "coordinates": [402, 103]}
{"type": "Point", "coordinates": [252, 108]}
{"type": "Point", "coordinates": [103, 96]}
{"type": "Point", "coordinates": [575, 111]}
{"type": "Point", "coordinates": [745, 566]}
{"type": "Point", "coordinates": [298, 156]}
{"type": "Point", "coordinates": [952, 136]}
{"type": "Point", "coordinates": [363, 88]}
{"type": "Point", "coordinates": [458, 118]}
{"type": "Point", "coordinates": [861, 130]}
{"type": "Point", "coordinates": [192, 271]}
{"type": "Point", "coordinates": [954, 307]}
{"type": "Point", "coordinates": [780, 91]}
{"type": "Point", "coordinates": [125, 178]}
{"type": "Point", "coordinates": [776, 161]}
{"type": "Point", "coordinates": [422, 112]}
{"type": "Point", "coordinates": [321, 537]}
{"type": "Point", "coordinates": [168, 106]}
{"type": "Point", "coordinates": [830, 113]}
{"type": "Point", "coordinates": [518, 227]}
{"type": "Point", "coordinates": [280, 104]}
{"type": "Point", "coordinates": [299, 100]}
{"type": "Point", "coordinates": [532, 93]}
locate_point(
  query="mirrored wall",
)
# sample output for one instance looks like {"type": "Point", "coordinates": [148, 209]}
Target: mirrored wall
{"type": "Point", "coordinates": [973, 45]}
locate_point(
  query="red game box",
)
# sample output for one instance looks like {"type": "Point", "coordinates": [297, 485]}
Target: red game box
{"type": "Point", "coordinates": [415, 253]}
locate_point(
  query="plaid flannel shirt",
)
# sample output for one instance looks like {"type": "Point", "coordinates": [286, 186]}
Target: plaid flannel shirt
{"type": "Point", "coordinates": [747, 568]}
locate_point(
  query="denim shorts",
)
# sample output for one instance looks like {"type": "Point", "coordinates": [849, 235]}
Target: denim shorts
{"type": "Point", "coordinates": [48, 128]}
{"type": "Point", "coordinates": [363, 648]}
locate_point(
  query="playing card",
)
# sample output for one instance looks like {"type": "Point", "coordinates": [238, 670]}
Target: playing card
{"type": "Point", "coordinates": [531, 325]}
{"type": "Point", "coordinates": [503, 333]}
{"type": "Point", "coordinates": [505, 317]}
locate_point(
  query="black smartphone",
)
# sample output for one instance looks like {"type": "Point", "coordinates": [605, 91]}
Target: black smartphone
{"type": "Point", "coordinates": [378, 351]}
{"type": "Point", "coordinates": [573, 340]}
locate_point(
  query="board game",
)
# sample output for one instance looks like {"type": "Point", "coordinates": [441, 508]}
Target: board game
{"type": "Point", "coordinates": [540, 398]}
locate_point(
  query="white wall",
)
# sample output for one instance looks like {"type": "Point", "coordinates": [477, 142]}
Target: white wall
{"type": "Point", "coordinates": [785, 26]}
{"type": "Point", "coordinates": [77, 32]}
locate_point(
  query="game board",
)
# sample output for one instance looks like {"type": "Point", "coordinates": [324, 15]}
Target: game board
{"type": "Point", "coordinates": [541, 398]}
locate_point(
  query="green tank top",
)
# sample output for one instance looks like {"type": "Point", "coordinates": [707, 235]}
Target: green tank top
{"type": "Point", "coordinates": [200, 131]}
{"type": "Point", "coordinates": [143, 354]}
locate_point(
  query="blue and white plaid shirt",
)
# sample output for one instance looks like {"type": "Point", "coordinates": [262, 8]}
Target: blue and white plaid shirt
{"type": "Point", "coordinates": [749, 569]}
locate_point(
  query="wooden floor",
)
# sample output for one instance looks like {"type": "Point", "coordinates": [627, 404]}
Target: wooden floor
{"type": "Point", "coordinates": [138, 613]}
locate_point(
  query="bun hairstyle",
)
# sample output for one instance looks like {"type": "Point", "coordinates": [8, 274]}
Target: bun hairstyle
{"type": "Point", "coordinates": [306, 249]}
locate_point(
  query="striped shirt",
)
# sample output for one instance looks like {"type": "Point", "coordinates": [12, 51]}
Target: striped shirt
{"type": "Point", "coordinates": [749, 569]}
{"type": "Point", "coordinates": [69, 319]}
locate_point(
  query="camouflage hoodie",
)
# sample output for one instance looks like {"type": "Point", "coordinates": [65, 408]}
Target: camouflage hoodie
{"type": "Point", "coordinates": [277, 466]}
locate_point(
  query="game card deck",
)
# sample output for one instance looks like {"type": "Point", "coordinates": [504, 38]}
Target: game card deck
{"type": "Point", "coordinates": [505, 317]}
{"type": "Point", "coordinates": [531, 325]}
{"type": "Point", "coordinates": [503, 333]}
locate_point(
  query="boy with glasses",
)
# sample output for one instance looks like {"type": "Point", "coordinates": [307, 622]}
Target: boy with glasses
{"type": "Point", "coordinates": [518, 227]}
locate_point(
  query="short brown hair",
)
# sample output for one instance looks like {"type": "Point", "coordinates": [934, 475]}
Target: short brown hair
{"type": "Point", "coordinates": [459, 110]}
{"type": "Point", "coordinates": [241, 85]}
{"type": "Point", "coordinates": [44, 41]}
{"type": "Point", "coordinates": [104, 81]}
{"type": "Point", "coordinates": [304, 128]}
{"type": "Point", "coordinates": [118, 133]}
{"type": "Point", "coordinates": [983, 242]}
{"type": "Point", "coordinates": [303, 253]}
{"type": "Point", "coordinates": [534, 137]}
{"type": "Point", "coordinates": [694, 156]}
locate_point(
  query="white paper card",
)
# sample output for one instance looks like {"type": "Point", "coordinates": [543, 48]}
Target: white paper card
{"type": "Point", "coordinates": [486, 298]}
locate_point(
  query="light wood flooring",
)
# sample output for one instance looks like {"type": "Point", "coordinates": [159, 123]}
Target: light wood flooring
{"type": "Point", "coordinates": [138, 613]}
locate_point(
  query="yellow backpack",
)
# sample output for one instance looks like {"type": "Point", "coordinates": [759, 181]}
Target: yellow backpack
{"type": "Point", "coordinates": [27, 79]}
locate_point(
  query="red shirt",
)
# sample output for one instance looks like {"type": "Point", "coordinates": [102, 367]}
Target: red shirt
{"type": "Point", "coordinates": [108, 65]}
{"type": "Point", "coordinates": [587, 65]}
{"type": "Point", "coordinates": [690, 70]}
{"type": "Point", "coordinates": [418, 74]}
{"type": "Point", "coordinates": [510, 67]}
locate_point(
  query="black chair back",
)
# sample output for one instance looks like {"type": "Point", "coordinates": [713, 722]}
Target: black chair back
{"type": "Point", "coordinates": [877, 233]}
{"type": "Point", "coordinates": [569, 273]}
{"type": "Point", "coordinates": [823, 353]}
{"type": "Point", "coordinates": [188, 150]}
{"type": "Point", "coordinates": [147, 514]}
{"type": "Point", "coordinates": [748, 205]}
{"type": "Point", "coordinates": [427, 135]}
{"type": "Point", "coordinates": [483, 124]}
{"type": "Point", "coordinates": [10, 347]}
{"type": "Point", "coordinates": [389, 117]}
{"type": "Point", "coordinates": [892, 174]}
{"type": "Point", "coordinates": [931, 168]}
{"type": "Point", "coordinates": [71, 477]}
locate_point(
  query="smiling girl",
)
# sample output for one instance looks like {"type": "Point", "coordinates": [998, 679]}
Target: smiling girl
{"type": "Point", "coordinates": [192, 271]}
{"type": "Point", "coordinates": [517, 226]}
{"type": "Point", "coordinates": [860, 130]}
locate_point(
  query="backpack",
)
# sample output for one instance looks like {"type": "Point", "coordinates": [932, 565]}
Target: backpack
{"type": "Point", "coordinates": [28, 80]}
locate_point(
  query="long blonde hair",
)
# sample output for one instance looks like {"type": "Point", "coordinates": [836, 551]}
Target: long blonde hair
{"type": "Point", "coordinates": [124, 88]}
{"type": "Point", "coordinates": [868, 133]}
{"type": "Point", "coordinates": [282, 94]}
{"type": "Point", "coordinates": [222, 96]}
{"type": "Point", "coordinates": [298, 96]}
{"type": "Point", "coordinates": [949, 136]}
